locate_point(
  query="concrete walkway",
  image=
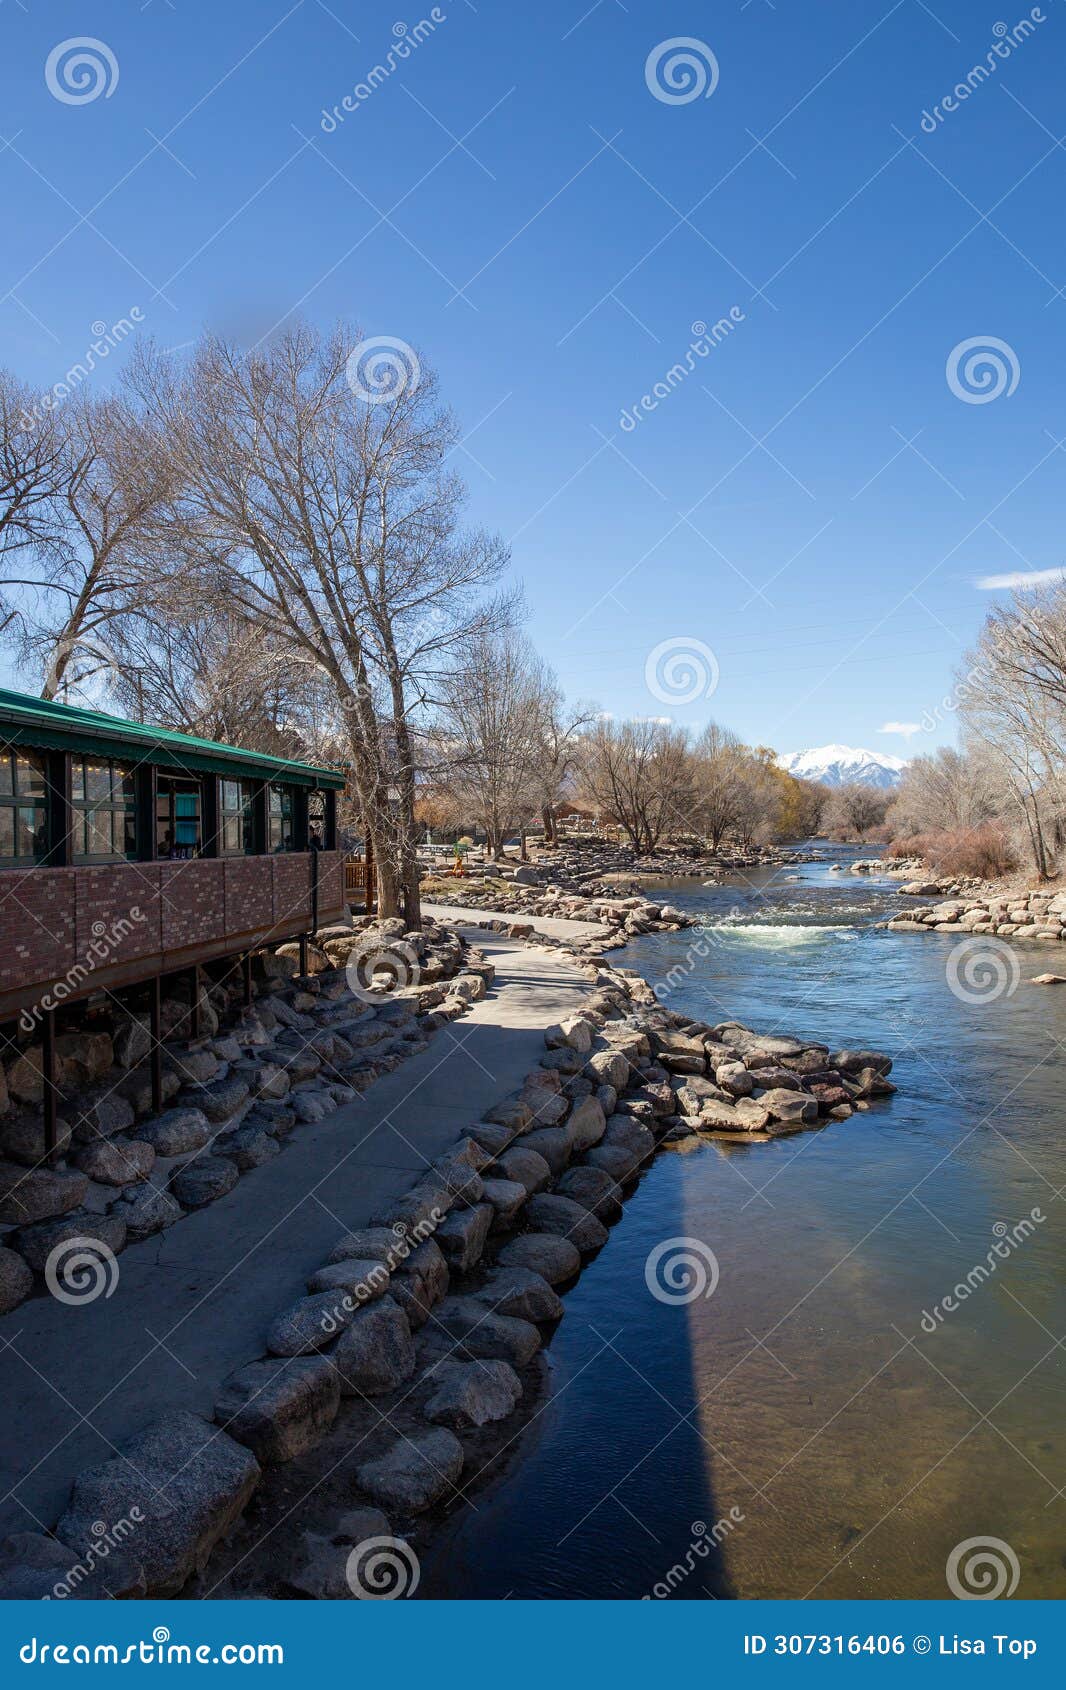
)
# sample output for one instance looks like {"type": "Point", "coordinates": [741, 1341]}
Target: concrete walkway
{"type": "Point", "coordinates": [557, 926]}
{"type": "Point", "coordinates": [194, 1303]}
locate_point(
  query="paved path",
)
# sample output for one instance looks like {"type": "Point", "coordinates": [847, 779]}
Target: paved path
{"type": "Point", "coordinates": [557, 926]}
{"type": "Point", "coordinates": [194, 1303]}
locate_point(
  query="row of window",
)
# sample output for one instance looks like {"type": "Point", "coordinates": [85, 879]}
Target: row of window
{"type": "Point", "coordinates": [104, 813]}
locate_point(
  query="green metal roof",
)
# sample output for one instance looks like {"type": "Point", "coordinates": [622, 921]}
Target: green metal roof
{"type": "Point", "coordinates": [29, 721]}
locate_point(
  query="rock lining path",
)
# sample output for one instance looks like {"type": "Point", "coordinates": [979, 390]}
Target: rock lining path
{"type": "Point", "coordinates": [194, 1303]}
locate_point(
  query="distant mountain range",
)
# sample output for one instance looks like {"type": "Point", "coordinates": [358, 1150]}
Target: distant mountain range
{"type": "Point", "coordinates": [844, 765]}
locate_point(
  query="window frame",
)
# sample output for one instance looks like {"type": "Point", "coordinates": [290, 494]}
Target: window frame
{"type": "Point", "coordinates": [11, 803]}
{"type": "Point", "coordinates": [81, 809]}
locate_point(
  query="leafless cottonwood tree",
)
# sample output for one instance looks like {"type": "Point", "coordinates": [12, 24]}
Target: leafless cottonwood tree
{"type": "Point", "coordinates": [327, 517]}
{"type": "Point", "coordinates": [31, 457]}
{"type": "Point", "coordinates": [80, 561]}
{"type": "Point", "coordinates": [640, 773]}
{"type": "Point", "coordinates": [487, 735]}
{"type": "Point", "coordinates": [557, 746]}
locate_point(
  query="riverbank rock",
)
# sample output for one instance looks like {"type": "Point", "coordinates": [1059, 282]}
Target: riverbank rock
{"type": "Point", "coordinates": [415, 1473]}
{"type": "Point", "coordinates": [481, 1335]}
{"type": "Point", "coordinates": [472, 1393]}
{"type": "Point", "coordinates": [375, 1353]}
{"type": "Point", "coordinates": [35, 1568]}
{"type": "Point", "coordinates": [521, 1293]}
{"type": "Point", "coordinates": [16, 1280]}
{"type": "Point", "coordinates": [309, 1324]}
{"type": "Point", "coordinates": [189, 1482]}
{"type": "Point", "coordinates": [279, 1409]}
{"type": "Point", "coordinates": [566, 1219]}
{"type": "Point", "coordinates": [553, 1258]}
{"type": "Point", "coordinates": [461, 1236]}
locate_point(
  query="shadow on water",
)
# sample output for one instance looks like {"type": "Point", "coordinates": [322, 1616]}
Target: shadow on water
{"type": "Point", "coordinates": [584, 1510]}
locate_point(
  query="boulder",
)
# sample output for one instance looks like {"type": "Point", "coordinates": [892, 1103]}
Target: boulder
{"type": "Point", "coordinates": [372, 1243]}
{"type": "Point", "coordinates": [414, 1473]}
{"type": "Point", "coordinates": [520, 1292]}
{"type": "Point", "coordinates": [177, 1132]}
{"type": "Point", "coordinates": [512, 1113]}
{"type": "Point", "coordinates": [507, 1197]}
{"type": "Point", "coordinates": [791, 1106]}
{"type": "Point", "coordinates": [116, 1161]}
{"type": "Point", "coordinates": [248, 1146]}
{"type": "Point", "coordinates": [35, 1568]}
{"type": "Point", "coordinates": [37, 1242]}
{"type": "Point", "coordinates": [219, 1099]}
{"type": "Point", "coordinates": [594, 1189]}
{"type": "Point", "coordinates": [527, 1167]}
{"type": "Point", "coordinates": [552, 1143]}
{"type": "Point", "coordinates": [32, 1194]}
{"type": "Point", "coordinates": [734, 1079]}
{"type": "Point", "coordinates": [461, 1236]}
{"type": "Point", "coordinates": [472, 1393]}
{"type": "Point", "coordinates": [84, 1057]}
{"type": "Point", "coordinates": [146, 1210]}
{"type": "Point", "coordinates": [203, 1181]}
{"type": "Point", "coordinates": [609, 1067]}
{"type": "Point", "coordinates": [586, 1124]}
{"type": "Point", "coordinates": [547, 1108]}
{"type": "Point", "coordinates": [131, 1041]}
{"type": "Point", "coordinates": [16, 1280]}
{"type": "Point", "coordinates": [361, 1278]}
{"type": "Point", "coordinates": [854, 1061]}
{"type": "Point", "coordinates": [574, 1032]}
{"type": "Point", "coordinates": [190, 1483]}
{"type": "Point", "coordinates": [481, 1335]}
{"type": "Point", "coordinates": [492, 1138]}
{"type": "Point", "coordinates": [375, 1353]}
{"type": "Point", "coordinates": [279, 1409]}
{"type": "Point", "coordinates": [310, 1323]}
{"type": "Point", "coordinates": [101, 1117]}
{"type": "Point", "coordinates": [564, 1218]}
{"type": "Point", "coordinates": [22, 1138]}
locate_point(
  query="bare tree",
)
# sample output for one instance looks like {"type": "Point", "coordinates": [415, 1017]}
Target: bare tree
{"type": "Point", "coordinates": [325, 512]}
{"type": "Point", "coordinates": [487, 735]}
{"type": "Point", "coordinates": [640, 774]}
{"type": "Point", "coordinates": [557, 744]}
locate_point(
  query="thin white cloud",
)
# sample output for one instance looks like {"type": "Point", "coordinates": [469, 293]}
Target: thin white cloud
{"type": "Point", "coordinates": [904, 728]}
{"type": "Point", "coordinates": [1019, 578]}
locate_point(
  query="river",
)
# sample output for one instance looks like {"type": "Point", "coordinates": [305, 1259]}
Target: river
{"type": "Point", "coordinates": [804, 1418]}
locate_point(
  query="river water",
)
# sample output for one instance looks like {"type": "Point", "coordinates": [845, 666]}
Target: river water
{"type": "Point", "coordinates": [805, 1417]}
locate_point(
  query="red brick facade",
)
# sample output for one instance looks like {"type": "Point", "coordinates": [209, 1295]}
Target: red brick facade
{"type": "Point", "coordinates": [127, 921]}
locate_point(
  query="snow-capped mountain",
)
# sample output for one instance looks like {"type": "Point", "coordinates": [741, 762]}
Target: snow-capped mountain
{"type": "Point", "coordinates": [844, 765]}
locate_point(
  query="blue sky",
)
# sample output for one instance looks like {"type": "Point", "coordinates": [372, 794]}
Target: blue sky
{"type": "Point", "coordinates": [814, 504]}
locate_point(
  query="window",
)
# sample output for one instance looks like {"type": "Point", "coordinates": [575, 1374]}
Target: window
{"type": "Point", "coordinates": [280, 818]}
{"type": "Point", "coordinates": [23, 808]}
{"type": "Point", "coordinates": [238, 817]}
{"type": "Point", "coordinates": [105, 816]}
{"type": "Point", "coordinates": [316, 820]}
{"type": "Point", "coordinates": [178, 826]}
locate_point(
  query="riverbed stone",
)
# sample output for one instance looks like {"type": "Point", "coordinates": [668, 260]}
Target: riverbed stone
{"type": "Point", "coordinates": [190, 1482]}
{"type": "Point", "coordinates": [553, 1258]}
{"type": "Point", "coordinates": [203, 1181]}
{"type": "Point", "coordinates": [548, 1212]}
{"type": "Point", "coordinates": [375, 1353]}
{"type": "Point", "coordinates": [279, 1409]}
{"type": "Point", "coordinates": [414, 1473]}
{"type": "Point", "coordinates": [461, 1235]}
{"type": "Point", "coordinates": [16, 1279]}
{"type": "Point", "coordinates": [472, 1393]}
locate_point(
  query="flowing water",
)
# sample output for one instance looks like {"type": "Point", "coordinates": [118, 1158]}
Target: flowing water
{"type": "Point", "coordinates": [821, 1419]}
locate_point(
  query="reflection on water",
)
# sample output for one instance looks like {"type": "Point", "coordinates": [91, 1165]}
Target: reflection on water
{"type": "Point", "coordinates": [859, 1446]}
